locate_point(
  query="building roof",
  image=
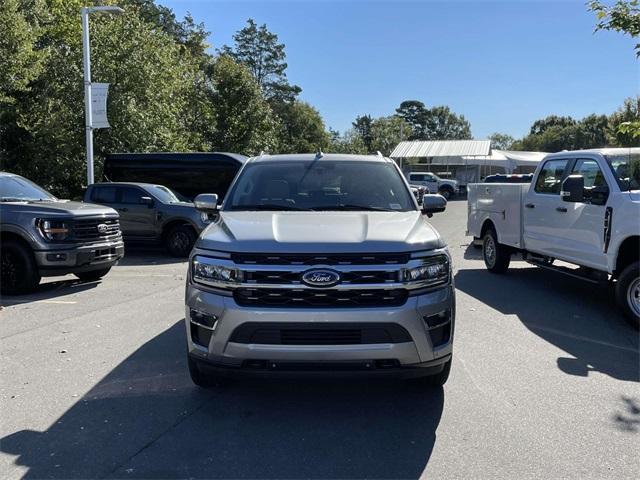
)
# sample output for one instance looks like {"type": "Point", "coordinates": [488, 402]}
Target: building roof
{"type": "Point", "coordinates": [441, 148]}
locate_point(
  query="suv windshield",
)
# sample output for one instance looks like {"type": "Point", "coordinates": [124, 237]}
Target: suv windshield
{"type": "Point", "coordinates": [166, 195]}
{"type": "Point", "coordinates": [320, 185]}
{"type": "Point", "coordinates": [626, 169]}
{"type": "Point", "coordinates": [18, 189]}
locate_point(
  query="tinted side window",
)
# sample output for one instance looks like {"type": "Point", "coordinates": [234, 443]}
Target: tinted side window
{"type": "Point", "coordinates": [416, 178]}
{"type": "Point", "coordinates": [104, 194]}
{"type": "Point", "coordinates": [132, 195]}
{"type": "Point", "coordinates": [589, 169]}
{"type": "Point", "coordinates": [550, 178]}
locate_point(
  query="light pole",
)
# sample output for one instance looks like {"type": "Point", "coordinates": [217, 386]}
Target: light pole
{"type": "Point", "coordinates": [86, 63]}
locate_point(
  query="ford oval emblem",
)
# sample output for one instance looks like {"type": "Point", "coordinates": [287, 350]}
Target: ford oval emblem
{"type": "Point", "coordinates": [321, 278]}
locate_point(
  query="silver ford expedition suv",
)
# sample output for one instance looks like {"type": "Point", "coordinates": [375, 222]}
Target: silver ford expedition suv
{"type": "Point", "coordinates": [320, 263]}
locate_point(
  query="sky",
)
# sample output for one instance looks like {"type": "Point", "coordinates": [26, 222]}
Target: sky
{"type": "Point", "coordinates": [502, 65]}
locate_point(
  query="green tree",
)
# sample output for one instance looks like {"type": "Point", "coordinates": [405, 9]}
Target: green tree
{"type": "Point", "coordinates": [301, 128]}
{"type": "Point", "coordinates": [624, 123]}
{"type": "Point", "coordinates": [442, 124]}
{"type": "Point", "coordinates": [552, 121]}
{"type": "Point", "coordinates": [362, 126]}
{"type": "Point", "coordinates": [258, 49]}
{"type": "Point", "coordinates": [244, 121]}
{"type": "Point", "coordinates": [153, 82]}
{"type": "Point", "coordinates": [386, 133]}
{"type": "Point", "coordinates": [623, 17]}
{"type": "Point", "coordinates": [501, 141]}
{"type": "Point", "coordinates": [349, 142]}
{"type": "Point", "coordinates": [414, 113]}
{"type": "Point", "coordinates": [593, 131]}
{"type": "Point", "coordinates": [436, 123]}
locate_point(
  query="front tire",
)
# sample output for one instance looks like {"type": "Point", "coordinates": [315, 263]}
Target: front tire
{"type": "Point", "coordinates": [180, 241]}
{"type": "Point", "coordinates": [92, 275]}
{"type": "Point", "coordinates": [18, 269]}
{"type": "Point", "coordinates": [496, 256]}
{"type": "Point", "coordinates": [447, 193]}
{"type": "Point", "coordinates": [202, 379]}
{"type": "Point", "coordinates": [437, 380]}
{"type": "Point", "coordinates": [628, 293]}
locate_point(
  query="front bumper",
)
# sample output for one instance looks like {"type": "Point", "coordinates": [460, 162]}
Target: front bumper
{"type": "Point", "coordinates": [77, 259]}
{"type": "Point", "coordinates": [416, 357]}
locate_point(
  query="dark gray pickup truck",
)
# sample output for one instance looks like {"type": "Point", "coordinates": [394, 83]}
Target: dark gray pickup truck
{"type": "Point", "coordinates": [43, 236]}
{"type": "Point", "coordinates": [152, 213]}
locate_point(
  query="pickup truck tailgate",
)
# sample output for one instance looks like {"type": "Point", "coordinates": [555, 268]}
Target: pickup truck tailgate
{"type": "Point", "coordinates": [501, 204]}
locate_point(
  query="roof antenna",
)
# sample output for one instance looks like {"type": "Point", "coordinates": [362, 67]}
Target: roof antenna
{"type": "Point", "coordinates": [319, 154]}
{"type": "Point", "coordinates": [378, 153]}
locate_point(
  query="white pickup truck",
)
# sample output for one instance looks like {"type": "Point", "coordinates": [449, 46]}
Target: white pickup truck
{"type": "Point", "coordinates": [582, 208]}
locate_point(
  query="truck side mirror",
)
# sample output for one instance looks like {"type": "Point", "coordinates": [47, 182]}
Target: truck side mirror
{"type": "Point", "coordinates": [573, 189]}
{"type": "Point", "coordinates": [433, 203]}
{"type": "Point", "coordinates": [206, 202]}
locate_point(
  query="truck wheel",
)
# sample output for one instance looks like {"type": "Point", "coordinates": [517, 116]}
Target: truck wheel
{"type": "Point", "coordinates": [496, 256]}
{"type": "Point", "coordinates": [628, 293]}
{"type": "Point", "coordinates": [201, 379]}
{"type": "Point", "coordinates": [93, 275]}
{"type": "Point", "coordinates": [19, 272]}
{"type": "Point", "coordinates": [180, 240]}
{"type": "Point", "coordinates": [446, 193]}
{"type": "Point", "coordinates": [437, 380]}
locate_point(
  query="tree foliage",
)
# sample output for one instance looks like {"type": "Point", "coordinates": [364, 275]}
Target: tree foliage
{"type": "Point", "coordinates": [623, 17]}
{"type": "Point", "coordinates": [301, 129]}
{"type": "Point", "coordinates": [258, 49]}
{"type": "Point", "coordinates": [436, 123]}
{"type": "Point", "coordinates": [501, 141]}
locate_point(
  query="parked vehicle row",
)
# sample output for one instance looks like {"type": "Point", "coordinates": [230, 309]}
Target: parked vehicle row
{"type": "Point", "coordinates": [582, 208]}
{"type": "Point", "coordinates": [435, 184]}
{"type": "Point", "coordinates": [43, 236]}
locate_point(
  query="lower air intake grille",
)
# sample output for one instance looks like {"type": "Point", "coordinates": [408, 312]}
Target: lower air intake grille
{"type": "Point", "coordinates": [274, 333]}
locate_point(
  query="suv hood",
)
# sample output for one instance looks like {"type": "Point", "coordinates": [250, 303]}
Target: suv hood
{"type": "Point", "coordinates": [60, 208]}
{"type": "Point", "coordinates": [313, 232]}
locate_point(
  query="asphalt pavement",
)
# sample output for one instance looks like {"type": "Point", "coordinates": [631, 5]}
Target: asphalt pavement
{"type": "Point", "coordinates": [545, 384]}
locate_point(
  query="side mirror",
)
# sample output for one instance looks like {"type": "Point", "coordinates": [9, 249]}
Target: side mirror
{"type": "Point", "coordinates": [148, 201]}
{"type": "Point", "coordinates": [573, 189]}
{"type": "Point", "coordinates": [433, 203]}
{"type": "Point", "coordinates": [206, 202]}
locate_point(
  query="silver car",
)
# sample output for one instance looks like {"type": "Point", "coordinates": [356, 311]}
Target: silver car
{"type": "Point", "coordinates": [320, 264]}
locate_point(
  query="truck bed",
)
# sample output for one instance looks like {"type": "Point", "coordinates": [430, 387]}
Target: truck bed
{"type": "Point", "coordinates": [502, 204]}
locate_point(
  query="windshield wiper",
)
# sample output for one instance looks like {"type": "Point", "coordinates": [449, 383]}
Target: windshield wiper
{"type": "Point", "coordinates": [350, 207]}
{"type": "Point", "coordinates": [14, 199]}
{"type": "Point", "coordinates": [272, 207]}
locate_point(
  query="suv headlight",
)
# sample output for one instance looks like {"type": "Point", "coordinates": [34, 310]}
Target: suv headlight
{"type": "Point", "coordinates": [54, 229]}
{"type": "Point", "coordinates": [433, 270]}
{"type": "Point", "coordinates": [207, 271]}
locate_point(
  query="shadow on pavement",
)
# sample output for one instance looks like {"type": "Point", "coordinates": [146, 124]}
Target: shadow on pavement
{"type": "Point", "coordinates": [146, 420]}
{"type": "Point", "coordinates": [573, 315]}
{"type": "Point", "coordinates": [49, 290]}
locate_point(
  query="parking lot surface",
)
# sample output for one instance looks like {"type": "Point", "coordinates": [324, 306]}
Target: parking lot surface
{"type": "Point", "coordinates": [544, 384]}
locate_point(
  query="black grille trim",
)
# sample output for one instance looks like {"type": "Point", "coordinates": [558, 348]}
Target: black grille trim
{"type": "Point", "coordinates": [296, 333]}
{"type": "Point", "coordinates": [309, 298]}
{"type": "Point", "coordinates": [87, 229]}
{"type": "Point", "coordinates": [273, 277]}
{"type": "Point", "coordinates": [320, 259]}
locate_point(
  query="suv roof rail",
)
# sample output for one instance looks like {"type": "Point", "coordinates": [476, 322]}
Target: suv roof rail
{"type": "Point", "coordinates": [379, 154]}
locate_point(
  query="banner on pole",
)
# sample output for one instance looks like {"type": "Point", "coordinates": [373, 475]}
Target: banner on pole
{"type": "Point", "coordinates": [99, 92]}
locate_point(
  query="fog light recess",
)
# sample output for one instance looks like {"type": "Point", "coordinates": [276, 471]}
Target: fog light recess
{"type": "Point", "coordinates": [204, 320]}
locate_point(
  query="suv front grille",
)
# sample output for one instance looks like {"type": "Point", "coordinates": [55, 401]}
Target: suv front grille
{"type": "Point", "coordinates": [88, 229]}
{"type": "Point", "coordinates": [294, 297]}
{"type": "Point", "coordinates": [320, 259]}
{"type": "Point", "coordinates": [351, 277]}
{"type": "Point", "coordinates": [280, 333]}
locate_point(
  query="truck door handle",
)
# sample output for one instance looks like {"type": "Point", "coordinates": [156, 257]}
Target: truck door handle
{"type": "Point", "coordinates": [530, 205]}
{"type": "Point", "coordinates": [561, 209]}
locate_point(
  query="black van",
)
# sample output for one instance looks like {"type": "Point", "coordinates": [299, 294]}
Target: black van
{"type": "Point", "coordinates": [186, 173]}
